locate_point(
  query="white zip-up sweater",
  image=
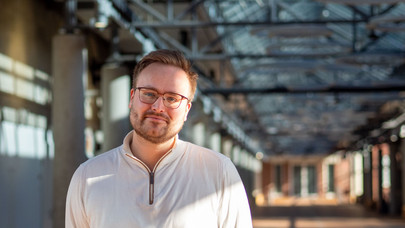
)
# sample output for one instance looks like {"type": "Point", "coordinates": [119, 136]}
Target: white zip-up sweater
{"type": "Point", "coordinates": [190, 186]}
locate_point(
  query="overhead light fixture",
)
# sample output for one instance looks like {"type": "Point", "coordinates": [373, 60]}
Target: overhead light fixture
{"type": "Point", "coordinates": [259, 155]}
{"type": "Point", "coordinates": [100, 20]}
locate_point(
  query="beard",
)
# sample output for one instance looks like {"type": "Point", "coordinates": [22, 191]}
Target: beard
{"type": "Point", "coordinates": [153, 132]}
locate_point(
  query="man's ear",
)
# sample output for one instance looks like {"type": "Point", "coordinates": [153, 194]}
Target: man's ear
{"type": "Point", "coordinates": [131, 98]}
{"type": "Point", "coordinates": [188, 107]}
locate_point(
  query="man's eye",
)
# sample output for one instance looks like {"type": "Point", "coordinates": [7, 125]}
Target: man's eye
{"type": "Point", "coordinates": [150, 94]}
{"type": "Point", "coordinates": [171, 99]}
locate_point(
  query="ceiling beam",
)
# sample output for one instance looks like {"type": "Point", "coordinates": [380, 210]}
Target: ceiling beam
{"type": "Point", "coordinates": [205, 24]}
{"type": "Point", "coordinates": [304, 90]}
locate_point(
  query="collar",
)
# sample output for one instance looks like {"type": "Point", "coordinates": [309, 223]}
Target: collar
{"type": "Point", "coordinates": [178, 148]}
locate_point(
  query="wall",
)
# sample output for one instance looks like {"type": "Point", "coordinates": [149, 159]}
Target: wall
{"type": "Point", "coordinates": [26, 148]}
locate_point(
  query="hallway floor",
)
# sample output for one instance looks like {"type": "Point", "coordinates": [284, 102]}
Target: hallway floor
{"type": "Point", "coordinates": [342, 216]}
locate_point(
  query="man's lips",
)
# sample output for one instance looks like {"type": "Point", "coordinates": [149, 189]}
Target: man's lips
{"type": "Point", "coordinates": [156, 118]}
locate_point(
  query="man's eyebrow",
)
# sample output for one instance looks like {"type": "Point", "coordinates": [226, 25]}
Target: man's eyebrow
{"type": "Point", "coordinates": [152, 88]}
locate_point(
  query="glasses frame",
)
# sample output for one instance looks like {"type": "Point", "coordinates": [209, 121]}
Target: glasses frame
{"type": "Point", "coordinates": [162, 96]}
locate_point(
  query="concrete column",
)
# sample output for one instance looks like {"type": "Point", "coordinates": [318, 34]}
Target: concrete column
{"type": "Point", "coordinates": [403, 175]}
{"type": "Point", "coordinates": [381, 206]}
{"type": "Point", "coordinates": [215, 142]}
{"type": "Point", "coordinates": [115, 91]}
{"type": "Point", "coordinates": [199, 134]}
{"type": "Point", "coordinates": [227, 146]}
{"type": "Point", "coordinates": [68, 120]}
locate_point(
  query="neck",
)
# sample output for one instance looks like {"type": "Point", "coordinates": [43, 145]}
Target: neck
{"type": "Point", "coordinates": [149, 153]}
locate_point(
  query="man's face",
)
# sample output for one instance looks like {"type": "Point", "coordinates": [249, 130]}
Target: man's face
{"type": "Point", "coordinates": [155, 122]}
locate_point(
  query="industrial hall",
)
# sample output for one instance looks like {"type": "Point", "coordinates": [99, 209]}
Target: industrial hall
{"type": "Point", "coordinates": [306, 98]}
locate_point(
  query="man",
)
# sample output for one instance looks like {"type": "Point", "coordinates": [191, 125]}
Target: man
{"type": "Point", "coordinates": [155, 179]}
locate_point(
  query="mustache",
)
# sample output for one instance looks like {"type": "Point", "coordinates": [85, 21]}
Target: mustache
{"type": "Point", "coordinates": [156, 114]}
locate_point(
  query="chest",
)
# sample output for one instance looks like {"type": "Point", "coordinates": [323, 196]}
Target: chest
{"type": "Point", "coordinates": [182, 198]}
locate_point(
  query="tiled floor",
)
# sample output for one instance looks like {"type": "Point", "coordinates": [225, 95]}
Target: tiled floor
{"type": "Point", "coordinates": [327, 223]}
{"type": "Point", "coordinates": [342, 216]}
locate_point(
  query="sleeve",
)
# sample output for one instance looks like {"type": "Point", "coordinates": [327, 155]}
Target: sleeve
{"type": "Point", "coordinates": [234, 208]}
{"type": "Point", "coordinates": [75, 211]}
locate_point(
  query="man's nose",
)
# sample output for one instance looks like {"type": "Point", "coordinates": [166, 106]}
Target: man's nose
{"type": "Point", "coordinates": [158, 106]}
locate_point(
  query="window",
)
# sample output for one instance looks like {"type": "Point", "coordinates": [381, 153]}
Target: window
{"type": "Point", "coordinates": [297, 180]}
{"type": "Point", "coordinates": [277, 178]}
{"type": "Point", "coordinates": [331, 178]}
{"type": "Point", "coordinates": [311, 179]}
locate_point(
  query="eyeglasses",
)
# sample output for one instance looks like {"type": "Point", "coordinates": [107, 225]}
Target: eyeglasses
{"type": "Point", "coordinates": [170, 100]}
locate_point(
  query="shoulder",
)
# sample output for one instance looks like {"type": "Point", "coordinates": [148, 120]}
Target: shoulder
{"type": "Point", "coordinates": [204, 152]}
{"type": "Point", "coordinates": [105, 162]}
{"type": "Point", "coordinates": [208, 156]}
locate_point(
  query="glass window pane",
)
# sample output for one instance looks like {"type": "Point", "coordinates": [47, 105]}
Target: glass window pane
{"type": "Point", "coordinates": [278, 178]}
{"type": "Point", "coordinates": [24, 70]}
{"type": "Point", "coordinates": [25, 89]}
{"type": "Point", "coordinates": [331, 178]}
{"type": "Point", "coordinates": [9, 143]}
{"type": "Point", "coordinates": [42, 75]}
{"type": "Point", "coordinates": [51, 144]}
{"type": "Point", "coordinates": [6, 83]}
{"type": "Point", "coordinates": [6, 62]}
{"type": "Point", "coordinates": [41, 95]}
{"type": "Point", "coordinates": [40, 143]}
{"type": "Point", "coordinates": [9, 114]}
{"type": "Point", "coordinates": [26, 142]}
{"type": "Point", "coordinates": [311, 179]}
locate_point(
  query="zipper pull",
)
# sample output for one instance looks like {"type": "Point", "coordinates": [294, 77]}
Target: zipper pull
{"type": "Point", "coordinates": [151, 187]}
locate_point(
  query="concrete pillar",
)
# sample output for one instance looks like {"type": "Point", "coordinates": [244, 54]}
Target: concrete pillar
{"type": "Point", "coordinates": [68, 120]}
{"type": "Point", "coordinates": [227, 146]}
{"type": "Point", "coordinates": [381, 206]}
{"type": "Point", "coordinates": [215, 142]}
{"type": "Point", "coordinates": [115, 91]}
{"type": "Point", "coordinates": [199, 134]}
{"type": "Point", "coordinates": [403, 175]}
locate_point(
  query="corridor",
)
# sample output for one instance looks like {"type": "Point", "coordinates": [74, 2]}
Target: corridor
{"type": "Point", "coordinates": [342, 216]}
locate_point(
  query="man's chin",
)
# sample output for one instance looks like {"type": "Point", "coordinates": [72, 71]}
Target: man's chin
{"type": "Point", "coordinates": [153, 136]}
{"type": "Point", "coordinates": [155, 140]}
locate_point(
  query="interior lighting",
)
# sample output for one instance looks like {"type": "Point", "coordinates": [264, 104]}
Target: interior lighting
{"type": "Point", "coordinates": [325, 13]}
{"type": "Point", "coordinates": [394, 138]}
{"type": "Point", "coordinates": [101, 21]}
{"type": "Point", "coordinates": [259, 155]}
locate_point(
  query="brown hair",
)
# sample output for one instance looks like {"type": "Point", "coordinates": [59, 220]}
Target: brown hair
{"type": "Point", "coordinates": [170, 57]}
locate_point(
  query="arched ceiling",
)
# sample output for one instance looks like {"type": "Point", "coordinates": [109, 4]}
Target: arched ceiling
{"type": "Point", "coordinates": [301, 76]}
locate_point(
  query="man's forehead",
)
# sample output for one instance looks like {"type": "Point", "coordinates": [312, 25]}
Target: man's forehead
{"type": "Point", "coordinates": [165, 81]}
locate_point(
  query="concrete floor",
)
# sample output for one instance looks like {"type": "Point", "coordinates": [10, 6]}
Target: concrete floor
{"type": "Point", "coordinates": [342, 216]}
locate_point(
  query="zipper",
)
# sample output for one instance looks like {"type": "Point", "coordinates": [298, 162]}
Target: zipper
{"type": "Point", "coordinates": [151, 175]}
{"type": "Point", "coordinates": [151, 187]}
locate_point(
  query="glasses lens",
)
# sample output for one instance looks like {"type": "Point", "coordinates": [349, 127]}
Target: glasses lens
{"type": "Point", "coordinates": [148, 96]}
{"type": "Point", "coordinates": [172, 100]}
